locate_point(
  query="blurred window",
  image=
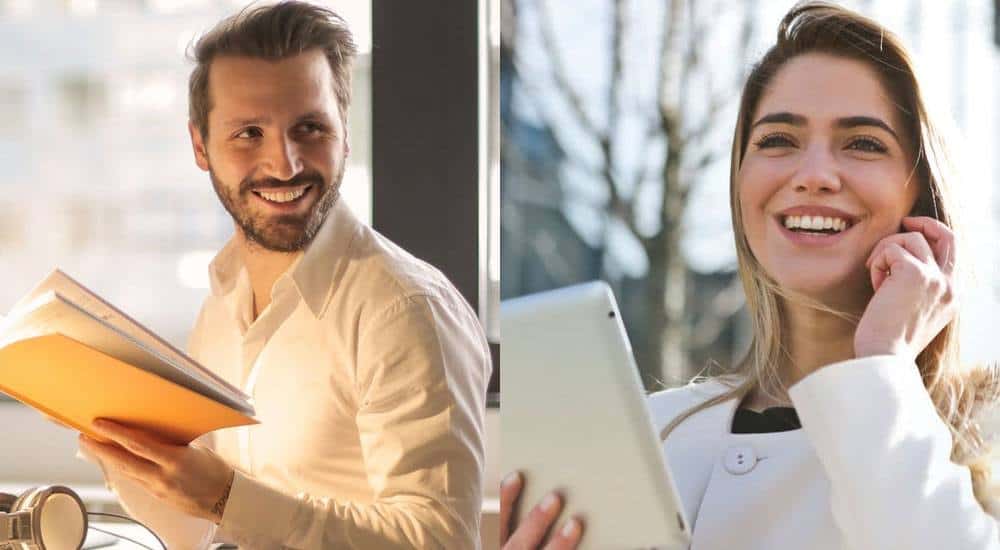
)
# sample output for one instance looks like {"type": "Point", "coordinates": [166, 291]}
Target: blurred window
{"type": "Point", "coordinates": [99, 177]}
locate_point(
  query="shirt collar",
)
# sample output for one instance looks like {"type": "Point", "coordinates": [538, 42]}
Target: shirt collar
{"type": "Point", "coordinates": [314, 274]}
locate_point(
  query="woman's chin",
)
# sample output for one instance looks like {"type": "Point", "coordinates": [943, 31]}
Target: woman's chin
{"type": "Point", "coordinates": [826, 286]}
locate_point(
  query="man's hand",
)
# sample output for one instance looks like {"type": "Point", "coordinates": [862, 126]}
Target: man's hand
{"type": "Point", "coordinates": [192, 479]}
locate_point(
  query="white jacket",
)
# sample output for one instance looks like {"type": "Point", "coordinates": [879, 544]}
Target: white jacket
{"type": "Point", "coordinates": [870, 468]}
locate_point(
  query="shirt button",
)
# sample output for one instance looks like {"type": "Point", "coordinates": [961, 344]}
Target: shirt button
{"type": "Point", "coordinates": [740, 460]}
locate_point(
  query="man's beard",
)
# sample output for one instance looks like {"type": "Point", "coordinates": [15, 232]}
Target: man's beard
{"type": "Point", "coordinates": [283, 233]}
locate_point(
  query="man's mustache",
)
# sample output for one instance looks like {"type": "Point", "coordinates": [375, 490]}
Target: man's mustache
{"type": "Point", "coordinates": [304, 178]}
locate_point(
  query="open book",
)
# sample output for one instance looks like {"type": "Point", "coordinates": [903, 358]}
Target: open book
{"type": "Point", "coordinates": [75, 357]}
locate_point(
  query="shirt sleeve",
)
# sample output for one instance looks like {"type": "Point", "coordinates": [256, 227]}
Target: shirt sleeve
{"type": "Point", "coordinates": [421, 375]}
{"type": "Point", "coordinates": [887, 454]}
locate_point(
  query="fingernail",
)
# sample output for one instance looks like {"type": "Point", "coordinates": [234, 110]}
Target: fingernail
{"type": "Point", "coordinates": [549, 502]}
{"type": "Point", "coordinates": [571, 528]}
{"type": "Point", "coordinates": [511, 478]}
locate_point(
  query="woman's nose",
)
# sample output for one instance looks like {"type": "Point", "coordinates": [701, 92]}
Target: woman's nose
{"type": "Point", "coordinates": [817, 172]}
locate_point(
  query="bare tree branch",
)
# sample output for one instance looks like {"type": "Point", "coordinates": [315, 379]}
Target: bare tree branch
{"type": "Point", "coordinates": [669, 66]}
{"type": "Point", "coordinates": [559, 74]}
{"type": "Point", "coordinates": [534, 91]}
{"type": "Point", "coordinates": [716, 103]}
{"type": "Point", "coordinates": [618, 206]}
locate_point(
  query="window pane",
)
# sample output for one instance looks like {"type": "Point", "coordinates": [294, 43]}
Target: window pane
{"type": "Point", "coordinates": [99, 178]}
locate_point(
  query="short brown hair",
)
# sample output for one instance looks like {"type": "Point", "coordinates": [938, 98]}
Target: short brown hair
{"type": "Point", "coordinates": [273, 32]}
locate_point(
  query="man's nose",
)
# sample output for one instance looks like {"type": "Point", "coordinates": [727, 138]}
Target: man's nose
{"type": "Point", "coordinates": [282, 160]}
{"type": "Point", "coordinates": [818, 171]}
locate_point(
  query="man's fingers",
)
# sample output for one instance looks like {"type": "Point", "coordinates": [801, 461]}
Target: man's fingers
{"type": "Point", "coordinates": [568, 536]}
{"type": "Point", "coordinates": [940, 237]}
{"type": "Point", "coordinates": [531, 532]}
{"type": "Point", "coordinates": [120, 459]}
{"type": "Point", "coordinates": [138, 442]}
{"type": "Point", "coordinates": [510, 489]}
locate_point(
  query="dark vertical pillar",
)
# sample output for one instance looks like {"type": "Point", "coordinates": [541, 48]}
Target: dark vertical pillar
{"type": "Point", "coordinates": [425, 166]}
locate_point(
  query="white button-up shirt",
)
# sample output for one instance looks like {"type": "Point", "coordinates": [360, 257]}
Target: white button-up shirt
{"type": "Point", "coordinates": [368, 373]}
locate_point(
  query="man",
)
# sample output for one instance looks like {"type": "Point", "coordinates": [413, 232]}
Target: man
{"type": "Point", "coordinates": [367, 368]}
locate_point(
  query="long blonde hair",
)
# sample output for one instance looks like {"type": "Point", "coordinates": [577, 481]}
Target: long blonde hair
{"type": "Point", "coordinates": [958, 394]}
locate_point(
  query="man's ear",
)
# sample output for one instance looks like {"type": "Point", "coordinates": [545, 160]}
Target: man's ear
{"type": "Point", "coordinates": [198, 144]}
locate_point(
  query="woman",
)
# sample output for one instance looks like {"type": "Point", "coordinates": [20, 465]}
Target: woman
{"type": "Point", "coordinates": [850, 423]}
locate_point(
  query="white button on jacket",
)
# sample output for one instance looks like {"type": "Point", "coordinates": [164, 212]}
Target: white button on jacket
{"type": "Point", "coordinates": [740, 459]}
{"type": "Point", "coordinates": [870, 468]}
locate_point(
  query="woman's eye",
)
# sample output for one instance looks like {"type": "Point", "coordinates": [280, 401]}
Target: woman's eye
{"type": "Point", "coordinates": [249, 133]}
{"type": "Point", "coordinates": [774, 140]}
{"type": "Point", "coordinates": [868, 145]}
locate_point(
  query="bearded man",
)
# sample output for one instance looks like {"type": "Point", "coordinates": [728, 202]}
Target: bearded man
{"type": "Point", "coordinates": [367, 369]}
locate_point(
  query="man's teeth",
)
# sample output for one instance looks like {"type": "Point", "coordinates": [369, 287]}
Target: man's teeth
{"type": "Point", "coordinates": [283, 197]}
{"type": "Point", "coordinates": [815, 223]}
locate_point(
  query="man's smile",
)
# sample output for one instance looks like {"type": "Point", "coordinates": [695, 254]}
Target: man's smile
{"type": "Point", "coordinates": [284, 198]}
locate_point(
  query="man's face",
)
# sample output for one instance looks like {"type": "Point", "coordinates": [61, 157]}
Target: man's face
{"type": "Point", "coordinates": [276, 146]}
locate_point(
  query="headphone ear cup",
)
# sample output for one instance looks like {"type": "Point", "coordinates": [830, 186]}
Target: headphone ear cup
{"type": "Point", "coordinates": [7, 501]}
{"type": "Point", "coordinates": [27, 499]}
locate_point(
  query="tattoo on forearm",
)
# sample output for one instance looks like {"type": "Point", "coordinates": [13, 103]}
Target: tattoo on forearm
{"type": "Point", "coordinates": [220, 505]}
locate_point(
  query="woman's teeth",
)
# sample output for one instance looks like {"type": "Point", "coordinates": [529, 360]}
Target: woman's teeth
{"type": "Point", "coordinates": [286, 196]}
{"type": "Point", "coordinates": [816, 223]}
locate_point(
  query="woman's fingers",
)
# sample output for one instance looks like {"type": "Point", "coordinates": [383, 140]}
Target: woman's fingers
{"type": "Point", "coordinates": [568, 536]}
{"type": "Point", "coordinates": [530, 534]}
{"type": "Point", "coordinates": [891, 256]}
{"type": "Point", "coordinates": [510, 488]}
{"type": "Point", "coordinates": [939, 236]}
{"type": "Point", "coordinates": [915, 243]}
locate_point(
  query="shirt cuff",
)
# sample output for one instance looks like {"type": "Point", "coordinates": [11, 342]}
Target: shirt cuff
{"type": "Point", "coordinates": [255, 512]}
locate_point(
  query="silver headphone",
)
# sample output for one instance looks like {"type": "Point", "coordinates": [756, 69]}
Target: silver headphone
{"type": "Point", "coordinates": [43, 518]}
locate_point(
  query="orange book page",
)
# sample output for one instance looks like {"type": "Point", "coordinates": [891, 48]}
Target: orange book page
{"type": "Point", "coordinates": [75, 384]}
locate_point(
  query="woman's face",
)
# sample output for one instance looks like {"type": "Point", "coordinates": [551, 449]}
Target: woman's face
{"type": "Point", "coordinates": [825, 176]}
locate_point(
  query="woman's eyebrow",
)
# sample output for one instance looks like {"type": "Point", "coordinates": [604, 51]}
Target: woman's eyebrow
{"type": "Point", "coordinates": [784, 117]}
{"type": "Point", "coordinates": [855, 121]}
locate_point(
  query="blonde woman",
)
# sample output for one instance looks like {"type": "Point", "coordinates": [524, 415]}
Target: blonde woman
{"type": "Point", "coordinates": [850, 423]}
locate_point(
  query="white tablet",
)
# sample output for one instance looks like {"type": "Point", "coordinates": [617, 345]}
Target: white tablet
{"type": "Point", "coordinates": [574, 419]}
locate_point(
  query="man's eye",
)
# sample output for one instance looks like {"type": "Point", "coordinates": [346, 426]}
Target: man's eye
{"type": "Point", "coordinates": [311, 128]}
{"type": "Point", "coordinates": [774, 140]}
{"type": "Point", "coordinates": [248, 133]}
{"type": "Point", "coordinates": [868, 145]}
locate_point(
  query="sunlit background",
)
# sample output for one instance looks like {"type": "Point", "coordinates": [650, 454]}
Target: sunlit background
{"type": "Point", "coordinates": [597, 94]}
{"type": "Point", "coordinates": [98, 173]}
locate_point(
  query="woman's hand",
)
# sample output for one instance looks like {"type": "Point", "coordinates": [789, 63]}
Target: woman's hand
{"type": "Point", "coordinates": [914, 290]}
{"type": "Point", "coordinates": [531, 533]}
